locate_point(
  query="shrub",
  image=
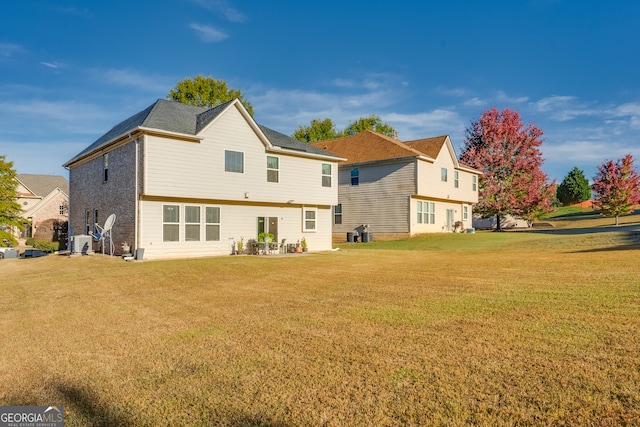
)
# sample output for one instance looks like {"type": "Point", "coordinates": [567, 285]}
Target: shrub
{"type": "Point", "coordinates": [48, 247]}
{"type": "Point", "coordinates": [30, 241]}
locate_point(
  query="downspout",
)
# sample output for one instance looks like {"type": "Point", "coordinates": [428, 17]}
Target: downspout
{"type": "Point", "coordinates": [135, 207]}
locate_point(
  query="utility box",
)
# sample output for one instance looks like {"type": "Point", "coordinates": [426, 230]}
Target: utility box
{"type": "Point", "coordinates": [81, 245]}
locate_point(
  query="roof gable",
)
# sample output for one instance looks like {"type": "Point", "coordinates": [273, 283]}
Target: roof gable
{"type": "Point", "coordinates": [429, 146]}
{"type": "Point", "coordinates": [42, 185]}
{"type": "Point", "coordinates": [179, 118]}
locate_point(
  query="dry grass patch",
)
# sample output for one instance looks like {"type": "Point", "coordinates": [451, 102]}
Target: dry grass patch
{"type": "Point", "coordinates": [484, 329]}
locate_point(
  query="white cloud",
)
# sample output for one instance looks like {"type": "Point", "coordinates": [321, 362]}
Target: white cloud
{"type": "Point", "coordinates": [8, 50]}
{"type": "Point", "coordinates": [474, 102]}
{"type": "Point", "coordinates": [584, 151]}
{"type": "Point", "coordinates": [208, 34]}
{"type": "Point", "coordinates": [503, 97]}
{"type": "Point", "coordinates": [223, 7]}
{"type": "Point", "coordinates": [53, 65]}
{"type": "Point", "coordinates": [136, 79]}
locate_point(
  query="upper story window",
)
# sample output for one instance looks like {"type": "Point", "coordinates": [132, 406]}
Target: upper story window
{"type": "Point", "coordinates": [170, 223]}
{"type": "Point", "coordinates": [456, 179]}
{"type": "Point", "coordinates": [273, 168]}
{"type": "Point", "coordinates": [326, 175]}
{"type": "Point", "coordinates": [233, 161]}
{"type": "Point", "coordinates": [443, 174]}
{"type": "Point", "coordinates": [105, 167]}
{"type": "Point", "coordinates": [474, 182]}
{"type": "Point", "coordinates": [355, 176]}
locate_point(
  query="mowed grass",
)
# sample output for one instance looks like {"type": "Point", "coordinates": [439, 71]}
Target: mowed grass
{"type": "Point", "coordinates": [494, 329]}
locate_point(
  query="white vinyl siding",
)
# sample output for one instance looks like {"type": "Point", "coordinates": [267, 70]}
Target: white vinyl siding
{"type": "Point", "coordinates": [200, 167]}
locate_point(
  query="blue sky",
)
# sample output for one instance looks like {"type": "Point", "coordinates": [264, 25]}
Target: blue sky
{"type": "Point", "coordinates": [70, 70]}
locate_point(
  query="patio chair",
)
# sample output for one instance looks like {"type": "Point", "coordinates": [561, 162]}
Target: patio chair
{"type": "Point", "coordinates": [283, 246]}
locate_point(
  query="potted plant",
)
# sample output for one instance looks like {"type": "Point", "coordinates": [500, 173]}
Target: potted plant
{"type": "Point", "coordinates": [265, 237]}
{"type": "Point", "coordinates": [303, 244]}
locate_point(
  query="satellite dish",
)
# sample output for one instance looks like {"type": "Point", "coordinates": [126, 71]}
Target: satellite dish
{"type": "Point", "coordinates": [105, 233]}
{"type": "Point", "coordinates": [108, 224]}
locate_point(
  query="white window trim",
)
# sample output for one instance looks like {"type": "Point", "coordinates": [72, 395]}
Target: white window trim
{"type": "Point", "coordinates": [225, 161]}
{"type": "Point", "coordinates": [304, 220]}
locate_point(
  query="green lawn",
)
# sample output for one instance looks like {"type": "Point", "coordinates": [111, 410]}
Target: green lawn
{"type": "Point", "coordinates": [512, 328]}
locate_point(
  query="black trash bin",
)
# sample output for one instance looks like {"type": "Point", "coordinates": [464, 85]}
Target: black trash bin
{"type": "Point", "coordinates": [350, 237]}
{"type": "Point", "coordinates": [366, 237]}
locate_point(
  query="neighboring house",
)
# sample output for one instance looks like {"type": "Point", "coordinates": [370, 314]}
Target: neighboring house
{"type": "Point", "coordinates": [41, 197]}
{"type": "Point", "coordinates": [186, 181]}
{"type": "Point", "coordinates": [400, 189]}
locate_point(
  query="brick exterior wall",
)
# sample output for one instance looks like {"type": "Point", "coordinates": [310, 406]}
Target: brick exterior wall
{"type": "Point", "coordinates": [89, 191]}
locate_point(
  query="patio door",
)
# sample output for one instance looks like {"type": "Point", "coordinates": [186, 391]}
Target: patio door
{"type": "Point", "coordinates": [268, 224]}
{"type": "Point", "coordinates": [450, 219]}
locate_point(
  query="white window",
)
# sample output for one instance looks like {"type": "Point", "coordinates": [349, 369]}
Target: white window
{"type": "Point", "coordinates": [337, 214]}
{"type": "Point", "coordinates": [426, 212]}
{"type": "Point", "coordinates": [326, 175]}
{"type": "Point", "coordinates": [95, 221]}
{"type": "Point", "coordinates": [272, 169]}
{"type": "Point", "coordinates": [465, 212]}
{"type": "Point", "coordinates": [430, 208]}
{"type": "Point", "coordinates": [474, 182]}
{"type": "Point", "coordinates": [355, 176]}
{"type": "Point", "coordinates": [443, 174]}
{"type": "Point", "coordinates": [233, 161]}
{"type": "Point", "coordinates": [170, 223]}
{"type": "Point", "coordinates": [192, 223]}
{"type": "Point", "coordinates": [456, 178]}
{"type": "Point", "coordinates": [213, 224]}
{"type": "Point", "coordinates": [309, 218]}
{"type": "Point", "coordinates": [87, 223]}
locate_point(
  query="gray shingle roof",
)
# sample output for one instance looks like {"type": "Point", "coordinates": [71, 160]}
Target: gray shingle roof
{"type": "Point", "coordinates": [281, 140]}
{"type": "Point", "coordinates": [42, 185]}
{"type": "Point", "coordinates": [186, 119]}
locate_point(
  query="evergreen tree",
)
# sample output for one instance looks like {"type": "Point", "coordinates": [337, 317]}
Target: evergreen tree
{"type": "Point", "coordinates": [10, 210]}
{"type": "Point", "coordinates": [574, 188]}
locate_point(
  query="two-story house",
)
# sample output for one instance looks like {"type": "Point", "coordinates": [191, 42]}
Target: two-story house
{"type": "Point", "coordinates": [41, 197]}
{"type": "Point", "coordinates": [400, 189]}
{"type": "Point", "coordinates": [186, 181]}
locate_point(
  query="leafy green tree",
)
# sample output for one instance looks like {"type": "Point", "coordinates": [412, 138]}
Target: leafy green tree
{"type": "Point", "coordinates": [321, 130]}
{"type": "Point", "coordinates": [206, 92]}
{"type": "Point", "coordinates": [574, 188]}
{"type": "Point", "coordinates": [318, 130]}
{"type": "Point", "coordinates": [373, 123]}
{"type": "Point", "coordinates": [10, 211]}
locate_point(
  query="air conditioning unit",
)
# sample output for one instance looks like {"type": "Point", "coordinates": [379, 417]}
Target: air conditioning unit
{"type": "Point", "coordinates": [81, 244]}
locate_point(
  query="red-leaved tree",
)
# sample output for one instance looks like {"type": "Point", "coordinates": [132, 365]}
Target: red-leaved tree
{"type": "Point", "coordinates": [616, 187]}
{"type": "Point", "coordinates": [508, 154]}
